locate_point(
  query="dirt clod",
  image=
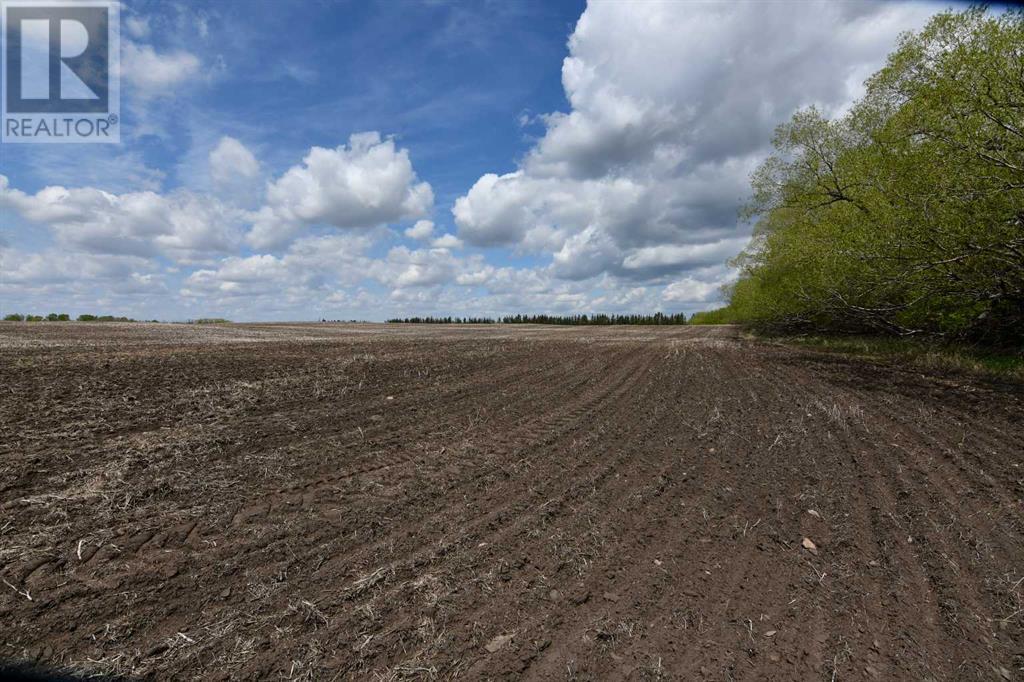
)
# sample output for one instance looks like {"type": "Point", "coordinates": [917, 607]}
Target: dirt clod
{"type": "Point", "coordinates": [498, 643]}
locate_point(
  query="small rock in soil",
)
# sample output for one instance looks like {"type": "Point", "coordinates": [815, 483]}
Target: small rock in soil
{"type": "Point", "coordinates": [498, 642]}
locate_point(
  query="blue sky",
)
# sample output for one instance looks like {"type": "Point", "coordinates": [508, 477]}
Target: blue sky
{"type": "Point", "coordinates": [362, 160]}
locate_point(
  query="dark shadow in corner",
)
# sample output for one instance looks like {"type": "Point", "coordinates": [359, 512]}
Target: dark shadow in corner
{"type": "Point", "coordinates": [10, 672]}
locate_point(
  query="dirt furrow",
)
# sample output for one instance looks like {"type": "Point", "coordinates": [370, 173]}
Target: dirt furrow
{"type": "Point", "coordinates": [394, 502]}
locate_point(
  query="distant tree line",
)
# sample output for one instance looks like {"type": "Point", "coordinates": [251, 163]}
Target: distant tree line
{"type": "Point", "coordinates": [598, 319]}
{"type": "Point", "coordinates": [64, 317]}
{"type": "Point", "coordinates": [905, 216]}
{"type": "Point", "coordinates": [441, 320]}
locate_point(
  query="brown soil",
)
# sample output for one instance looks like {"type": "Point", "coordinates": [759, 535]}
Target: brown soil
{"type": "Point", "coordinates": [369, 502]}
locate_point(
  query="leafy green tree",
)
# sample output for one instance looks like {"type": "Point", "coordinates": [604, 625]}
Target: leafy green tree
{"type": "Point", "coordinates": [905, 216]}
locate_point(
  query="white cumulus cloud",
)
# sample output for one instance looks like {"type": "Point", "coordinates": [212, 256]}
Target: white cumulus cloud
{"type": "Point", "coordinates": [366, 183]}
{"type": "Point", "coordinates": [235, 173]}
{"type": "Point", "coordinates": [672, 106]}
{"type": "Point", "coordinates": [154, 74]}
{"type": "Point", "coordinates": [423, 229]}
{"type": "Point", "coordinates": [231, 160]}
{"type": "Point", "coordinates": [447, 241]}
{"type": "Point", "coordinates": [183, 226]}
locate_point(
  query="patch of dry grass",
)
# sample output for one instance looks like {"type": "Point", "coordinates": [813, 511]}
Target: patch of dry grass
{"type": "Point", "coordinates": [990, 363]}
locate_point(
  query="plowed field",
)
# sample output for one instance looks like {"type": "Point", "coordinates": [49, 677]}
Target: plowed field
{"type": "Point", "coordinates": [371, 502]}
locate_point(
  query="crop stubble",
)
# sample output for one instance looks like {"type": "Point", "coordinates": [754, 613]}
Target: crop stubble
{"type": "Point", "coordinates": [371, 502]}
